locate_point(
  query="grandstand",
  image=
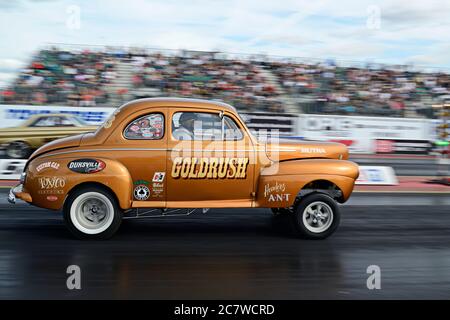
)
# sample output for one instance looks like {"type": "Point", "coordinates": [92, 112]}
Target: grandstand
{"type": "Point", "coordinates": [109, 77]}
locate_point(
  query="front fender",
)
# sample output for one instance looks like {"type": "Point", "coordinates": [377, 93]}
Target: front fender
{"type": "Point", "coordinates": [49, 181]}
{"type": "Point", "coordinates": [279, 186]}
{"type": "Point", "coordinates": [313, 166]}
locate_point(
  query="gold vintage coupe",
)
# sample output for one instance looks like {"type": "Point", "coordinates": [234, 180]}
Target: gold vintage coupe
{"type": "Point", "coordinates": [156, 156]}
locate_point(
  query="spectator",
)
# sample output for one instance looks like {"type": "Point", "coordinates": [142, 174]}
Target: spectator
{"type": "Point", "coordinates": [85, 78]}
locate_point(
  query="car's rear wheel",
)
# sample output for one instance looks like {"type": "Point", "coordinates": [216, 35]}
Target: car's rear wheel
{"type": "Point", "coordinates": [92, 213]}
{"type": "Point", "coordinates": [18, 150]}
{"type": "Point", "coordinates": [316, 216]}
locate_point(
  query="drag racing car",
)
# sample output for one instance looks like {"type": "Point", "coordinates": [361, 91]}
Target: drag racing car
{"type": "Point", "coordinates": [160, 156]}
{"type": "Point", "coordinates": [21, 141]}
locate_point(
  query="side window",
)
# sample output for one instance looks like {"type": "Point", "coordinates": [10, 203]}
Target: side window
{"type": "Point", "coordinates": [232, 130]}
{"type": "Point", "coordinates": [50, 121]}
{"type": "Point", "coordinates": [196, 126]}
{"type": "Point", "coordinates": [67, 122]}
{"type": "Point", "coordinates": [41, 122]}
{"type": "Point", "coordinates": [148, 127]}
{"type": "Point", "coordinates": [204, 126]}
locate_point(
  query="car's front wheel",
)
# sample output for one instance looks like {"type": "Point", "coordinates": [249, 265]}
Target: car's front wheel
{"type": "Point", "coordinates": [92, 213]}
{"type": "Point", "coordinates": [316, 216]}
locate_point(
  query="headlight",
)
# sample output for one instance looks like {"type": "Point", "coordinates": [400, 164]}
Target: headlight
{"type": "Point", "coordinates": [23, 177]}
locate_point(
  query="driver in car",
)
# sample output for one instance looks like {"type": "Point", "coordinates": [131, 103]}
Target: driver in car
{"type": "Point", "coordinates": [186, 129]}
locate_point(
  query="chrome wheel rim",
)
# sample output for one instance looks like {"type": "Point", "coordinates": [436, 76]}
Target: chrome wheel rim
{"type": "Point", "coordinates": [317, 217]}
{"type": "Point", "coordinates": [92, 213]}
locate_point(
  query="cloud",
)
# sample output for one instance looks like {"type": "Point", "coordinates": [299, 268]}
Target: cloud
{"type": "Point", "coordinates": [11, 64]}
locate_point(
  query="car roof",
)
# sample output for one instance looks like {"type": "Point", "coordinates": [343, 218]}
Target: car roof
{"type": "Point", "coordinates": [177, 102]}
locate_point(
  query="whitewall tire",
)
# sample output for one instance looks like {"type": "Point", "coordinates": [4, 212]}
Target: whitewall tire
{"type": "Point", "coordinates": [92, 213]}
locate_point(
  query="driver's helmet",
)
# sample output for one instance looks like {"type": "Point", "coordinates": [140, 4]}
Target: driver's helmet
{"type": "Point", "coordinates": [186, 117]}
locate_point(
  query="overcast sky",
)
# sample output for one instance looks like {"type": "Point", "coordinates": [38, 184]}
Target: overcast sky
{"type": "Point", "coordinates": [387, 31]}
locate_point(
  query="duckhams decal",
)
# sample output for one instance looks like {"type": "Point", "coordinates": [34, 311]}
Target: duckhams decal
{"type": "Point", "coordinates": [210, 168]}
{"type": "Point", "coordinates": [276, 192]}
{"type": "Point", "coordinates": [48, 164]}
{"type": "Point", "coordinates": [141, 192]}
{"type": "Point", "coordinates": [86, 165]}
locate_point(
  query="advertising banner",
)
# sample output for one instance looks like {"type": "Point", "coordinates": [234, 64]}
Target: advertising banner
{"type": "Point", "coordinates": [376, 175]}
{"type": "Point", "coordinates": [403, 146]}
{"type": "Point", "coordinates": [360, 133]}
{"type": "Point", "coordinates": [14, 115]}
{"type": "Point", "coordinates": [283, 124]}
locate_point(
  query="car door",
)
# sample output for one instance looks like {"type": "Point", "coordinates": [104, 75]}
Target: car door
{"type": "Point", "coordinates": [141, 146]}
{"type": "Point", "coordinates": [213, 163]}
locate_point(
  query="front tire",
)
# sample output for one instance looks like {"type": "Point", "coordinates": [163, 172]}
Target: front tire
{"type": "Point", "coordinates": [92, 213]}
{"type": "Point", "coordinates": [316, 216]}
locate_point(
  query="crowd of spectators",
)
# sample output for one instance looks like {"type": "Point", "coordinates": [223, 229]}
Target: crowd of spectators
{"type": "Point", "coordinates": [204, 75]}
{"type": "Point", "coordinates": [83, 78]}
{"type": "Point", "coordinates": [63, 77]}
{"type": "Point", "coordinates": [327, 88]}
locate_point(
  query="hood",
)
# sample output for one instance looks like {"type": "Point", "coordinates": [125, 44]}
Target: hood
{"type": "Point", "coordinates": [63, 143]}
{"type": "Point", "coordinates": [293, 150]}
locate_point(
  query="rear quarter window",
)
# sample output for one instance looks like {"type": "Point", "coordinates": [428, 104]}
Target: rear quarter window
{"type": "Point", "coordinates": [148, 127]}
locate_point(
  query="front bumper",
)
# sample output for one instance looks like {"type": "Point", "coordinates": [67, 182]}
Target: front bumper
{"type": "Point", "coordinates": [17, 192]}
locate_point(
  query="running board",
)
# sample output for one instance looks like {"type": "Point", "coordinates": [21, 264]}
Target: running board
{"type": "Point", "coordinates": [158, 213]}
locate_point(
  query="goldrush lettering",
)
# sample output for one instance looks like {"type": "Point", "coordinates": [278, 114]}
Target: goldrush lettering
{"type": "Point", "coordinates": [210, 168]}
